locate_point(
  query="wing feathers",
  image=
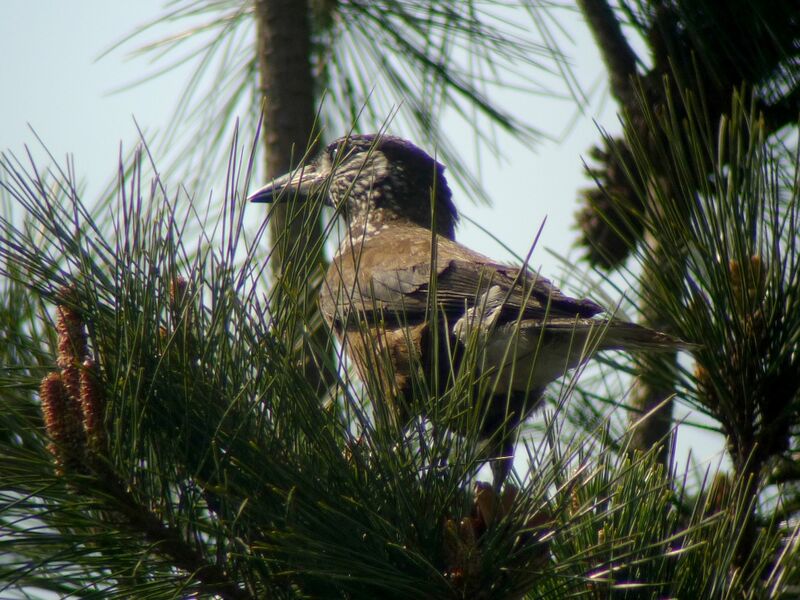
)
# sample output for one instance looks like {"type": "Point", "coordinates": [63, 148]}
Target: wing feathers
{"type": "Point", "coordinates": [366, 279]}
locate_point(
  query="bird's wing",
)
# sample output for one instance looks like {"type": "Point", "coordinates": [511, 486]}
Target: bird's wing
{"type": "Point", "coordinates": [462, 284]}
{"type": "Point", "coordinates": [374, 281]}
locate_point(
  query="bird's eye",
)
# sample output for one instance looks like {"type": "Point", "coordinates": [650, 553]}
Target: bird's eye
{"type": "Point", "coordinates": [339, 151]}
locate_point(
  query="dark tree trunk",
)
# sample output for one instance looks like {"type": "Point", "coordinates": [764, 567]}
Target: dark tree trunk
{"type": "Point", "coordinates": [651, 419]}
{"type": "Point", "coordinates": [284, 49]}
{"type": "Point", "coordinates": [283, 34]}
{"type": "Point", "coordinates": [654, 388]}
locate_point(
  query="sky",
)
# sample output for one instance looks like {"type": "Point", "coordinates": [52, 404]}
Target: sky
{"type": "Point", "coordinates": [56, 83]}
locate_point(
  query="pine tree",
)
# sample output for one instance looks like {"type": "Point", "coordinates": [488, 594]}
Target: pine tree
{"type": "Point", "coordinates": [159, 436]}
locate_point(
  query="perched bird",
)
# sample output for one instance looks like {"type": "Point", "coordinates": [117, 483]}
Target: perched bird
{"type": "Point", "coordinates": [399, 257]}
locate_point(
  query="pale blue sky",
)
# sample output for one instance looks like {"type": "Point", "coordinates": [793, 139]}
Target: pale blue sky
{"type": "Point", "coordinates": [53, 81]}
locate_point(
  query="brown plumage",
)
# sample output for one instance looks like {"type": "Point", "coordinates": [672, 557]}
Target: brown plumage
{"type": "Point", "coordinates": [392, 195]}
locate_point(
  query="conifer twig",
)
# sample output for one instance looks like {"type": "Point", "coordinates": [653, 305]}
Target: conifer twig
{"type": "Point", "coordinates": [166, 540]}
{"type": "Point", "coordinates": [618, 56]}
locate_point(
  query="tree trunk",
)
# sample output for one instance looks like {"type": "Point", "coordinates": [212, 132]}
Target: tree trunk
{"type": "Point", "coordinates": [283, 33]}
{"type": "Point", "coordinates": [284, 47]}
{"type": "Point", "coordinates": [654, 385]}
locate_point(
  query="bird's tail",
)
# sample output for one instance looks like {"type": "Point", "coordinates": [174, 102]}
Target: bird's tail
{"type": "Point", "coordinates": [622, 335]}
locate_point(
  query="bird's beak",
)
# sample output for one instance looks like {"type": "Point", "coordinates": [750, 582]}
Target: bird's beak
{"type": "Point", "coordinates": [300, 183]}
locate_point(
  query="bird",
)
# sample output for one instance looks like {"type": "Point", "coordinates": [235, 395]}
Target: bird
{"type": "Point", "coordinates": [402, 291]}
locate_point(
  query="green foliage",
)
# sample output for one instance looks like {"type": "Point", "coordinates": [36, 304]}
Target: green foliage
{"type": "Point", "coordinates": [703, 45]}
{"type": "Point", "coordinates": [749, 41]}
{"type": "Point", "coordinates": [730, 280]}
{"type": "Point", "coordinates": [222, 473]}
{"type": "Point", "coordinates": [722, 220]}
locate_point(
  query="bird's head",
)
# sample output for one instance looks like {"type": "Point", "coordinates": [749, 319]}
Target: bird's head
{"type": "Point", "coordinates": [373, 179]}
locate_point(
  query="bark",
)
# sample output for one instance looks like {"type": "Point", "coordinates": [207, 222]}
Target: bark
{"type": "Point", "coordinates": [283, 32]}
{"type": "Point", "coordinates": [653, 389]}
{"type": "Point", "coordinates": [284, 50]}
{"type": "Point", "coordinates": [652, 395]}
{"type": "Point", "coordinates": [619, 58]}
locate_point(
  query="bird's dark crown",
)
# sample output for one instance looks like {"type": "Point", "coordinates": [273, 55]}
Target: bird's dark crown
{"type": "Point", "coordinates": [377, 179]}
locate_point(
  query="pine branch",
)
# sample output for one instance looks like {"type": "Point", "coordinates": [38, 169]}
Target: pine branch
{"type": "Point", "coordinates": [206, 399]}
{"type": "Point", "coordinates": [618, 56]}
{"type": "Point", "coordinates": [165, 540]}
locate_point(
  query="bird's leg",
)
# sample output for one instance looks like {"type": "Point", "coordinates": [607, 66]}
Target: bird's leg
{"type": "Point", "coordinates": [504, 439]}
{"type": "Point", "coordinates": [502, 458]}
